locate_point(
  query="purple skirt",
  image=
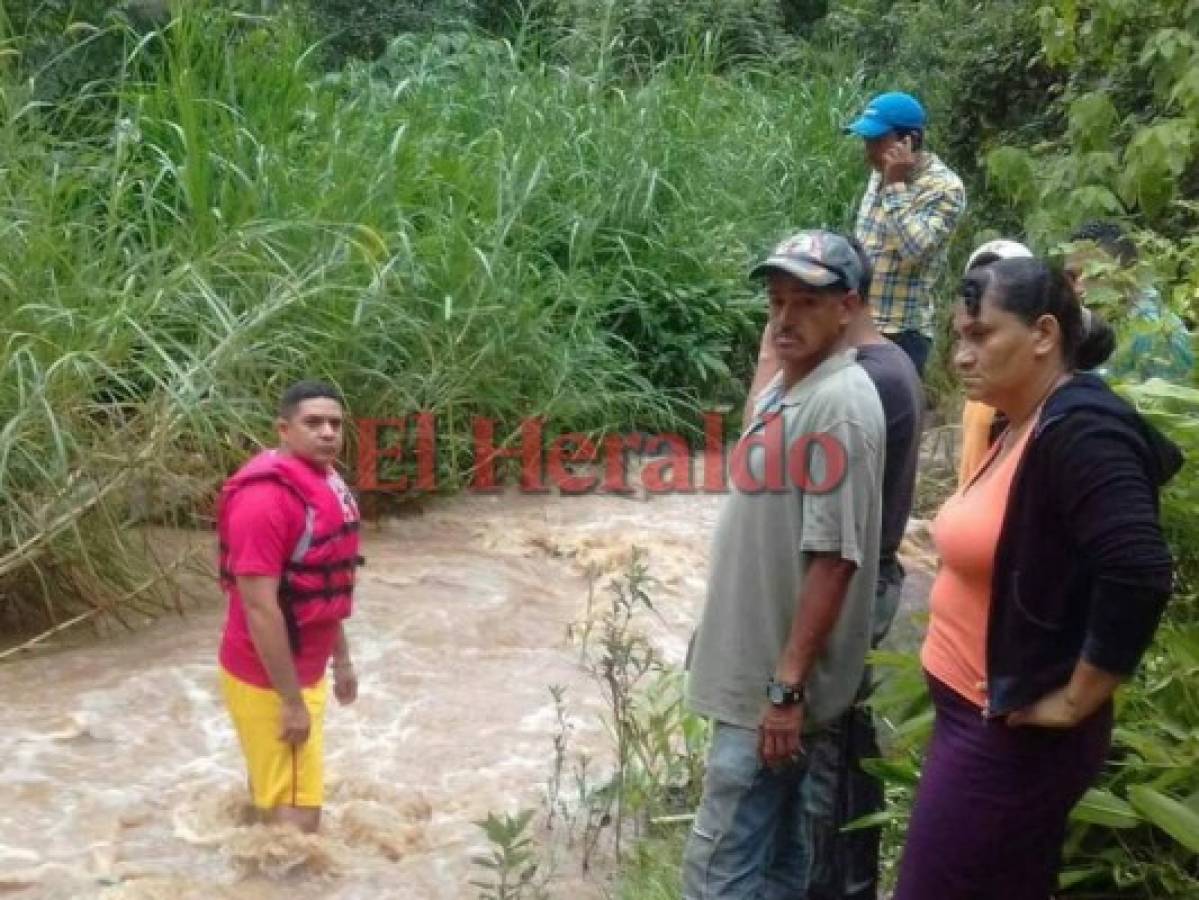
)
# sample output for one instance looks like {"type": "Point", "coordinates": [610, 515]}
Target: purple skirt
{"type": "Point", "coordinates": [990, 812]}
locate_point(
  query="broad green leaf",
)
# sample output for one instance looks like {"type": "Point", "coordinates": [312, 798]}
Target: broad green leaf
{"type": "Point", "coordinates": [916, 728]}
{"type": "Point", "coordinates": [1160, 389]}
{"type": "Point", "coordinates": [1057, 28]}
{"type": "Point", "coordinates": [1095, 202]}
{"type": "Point", "coordinates": [1010, 171]}
{"type": "Point", "coordinates": [1097, 167]}
{"type": "Point", "coordinates": [1093, 117]}
{"type": "Point", "coordinates": [1048, 222]}
{"type": "Point", "coordinates": [1143, 745]}
{"type": "Point", "coordinates": [1185, 92]}
{"type": "Point", "coordinates": [1192, 802]}
{"type": "Point", "coordinates": [1177, 820]}
{"type": "Point", "coordinates": [1100, 807]}
{"type": "Point", "coordinates": [1071, 877]}
{"type": "Point", "coordinates": [874, 820]}
{"type": "Point", "coordinates": [895, 771]}
{"type": "Point", "coordinates": [1154, 160]}
{"type": "Point", "coordinates": [1168, 53]}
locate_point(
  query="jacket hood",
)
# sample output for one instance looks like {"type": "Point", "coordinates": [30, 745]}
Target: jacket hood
{"type": "Point", "coordinates": [1090, 393]}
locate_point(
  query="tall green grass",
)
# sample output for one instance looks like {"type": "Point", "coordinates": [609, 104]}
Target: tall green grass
{"type": "Point", "coordinates": [459, 227]}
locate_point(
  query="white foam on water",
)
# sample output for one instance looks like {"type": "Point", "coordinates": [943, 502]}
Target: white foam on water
{"type": "Point", "coordinates": [125, 778]}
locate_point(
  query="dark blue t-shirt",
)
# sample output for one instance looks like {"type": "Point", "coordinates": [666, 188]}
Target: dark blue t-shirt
{"type": "Point", "coordinates": [902, 396]}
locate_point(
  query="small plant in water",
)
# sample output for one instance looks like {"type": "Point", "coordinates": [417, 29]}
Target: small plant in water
{"type": "Point", "coordinates": [512, 865]}
{"type": "Point", "coordinates": [553, 792]}
{"type": "Point", "coordinates": [619, 659]}
{"type": "Point", "coordinates": [658, 746]}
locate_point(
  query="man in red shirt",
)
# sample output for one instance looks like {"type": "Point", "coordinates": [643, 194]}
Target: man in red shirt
{"type": "Point", "coordinates": [288, 529]}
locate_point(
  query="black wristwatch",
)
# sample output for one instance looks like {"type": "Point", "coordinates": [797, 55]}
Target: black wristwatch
{"type": "Point", "coordinates": [782, 694]}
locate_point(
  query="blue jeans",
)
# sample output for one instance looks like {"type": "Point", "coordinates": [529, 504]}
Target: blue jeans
{"type": "Point", "coordinates": [916, 345]}
{"type": "Point", "coordinates": [750, 837]}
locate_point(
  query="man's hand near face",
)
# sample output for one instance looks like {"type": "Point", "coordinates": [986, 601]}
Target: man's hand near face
{"type": "Point", "coordinates": [899, 162]}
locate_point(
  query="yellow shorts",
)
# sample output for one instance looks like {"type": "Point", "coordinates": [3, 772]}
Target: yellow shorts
{"type": "Point", "coordinates": [281, 774]}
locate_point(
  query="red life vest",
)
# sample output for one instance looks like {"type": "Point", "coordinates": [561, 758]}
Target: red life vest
{"type": "Point", "coordinates": [317, 582]}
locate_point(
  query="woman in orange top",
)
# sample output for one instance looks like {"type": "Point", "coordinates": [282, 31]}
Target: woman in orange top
{"type": "Point", "coordinates": [1054, 575]}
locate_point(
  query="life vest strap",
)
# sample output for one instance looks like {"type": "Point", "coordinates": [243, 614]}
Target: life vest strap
{"type": "Point", "coordinates": [327, 593]}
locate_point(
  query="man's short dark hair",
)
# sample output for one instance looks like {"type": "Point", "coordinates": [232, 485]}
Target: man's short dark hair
{"type": "Point", "coordinates": [1111, 238]}
{"type": "Point", "coordinates": [306, 390]}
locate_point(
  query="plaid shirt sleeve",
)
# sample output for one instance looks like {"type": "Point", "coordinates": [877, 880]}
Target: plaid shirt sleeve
{"type": "Point", "coordinates": [922, 216]}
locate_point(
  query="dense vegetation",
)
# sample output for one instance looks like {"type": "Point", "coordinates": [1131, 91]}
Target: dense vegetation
{"type": "Point", "coordinates": [452, 227]}
{"type": "Point", "coordinates": [501, 209]}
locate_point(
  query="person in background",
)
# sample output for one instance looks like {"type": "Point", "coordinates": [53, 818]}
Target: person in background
{"type": "Point", "coordinates": [912, 205]}
{"type": "Point", "coordinates": [1156, 343]}
{"type": "Point", "coordinates": [978, 419]}
{"type": "Point", "coordinates": [1054, 575]}
{"type": "Point", "coordinates": [288, 531]}
{"type": "Point", "coordinates": [845, 865]}
{"type": "Point", "coordinates": [781, 644]}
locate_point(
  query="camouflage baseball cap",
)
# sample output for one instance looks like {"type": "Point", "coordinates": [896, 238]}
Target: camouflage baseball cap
{"type": "Point", "coordinates": [817, 258]}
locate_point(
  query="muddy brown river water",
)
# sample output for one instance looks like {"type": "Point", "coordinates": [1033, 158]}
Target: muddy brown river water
{"type": "Point", "coordinates": [121, 777]}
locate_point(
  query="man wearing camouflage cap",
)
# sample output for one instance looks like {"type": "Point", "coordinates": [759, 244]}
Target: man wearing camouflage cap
{"type": "Point", "coordinates": [781, 645]}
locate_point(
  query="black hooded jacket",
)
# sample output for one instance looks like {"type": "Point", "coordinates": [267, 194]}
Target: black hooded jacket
{"type": "Point", "coordinates": [1081, 568]}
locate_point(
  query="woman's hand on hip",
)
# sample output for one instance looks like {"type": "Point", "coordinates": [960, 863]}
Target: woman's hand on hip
{"type": "Point", "coordinates": [1054, 710]}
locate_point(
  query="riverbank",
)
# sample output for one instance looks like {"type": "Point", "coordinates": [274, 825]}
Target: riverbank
{"type": "Point", "coordinates": [124, 777]}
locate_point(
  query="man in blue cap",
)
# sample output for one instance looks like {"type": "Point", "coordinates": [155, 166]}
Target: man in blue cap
{"type": "Point", "coordinates": [912, 204]}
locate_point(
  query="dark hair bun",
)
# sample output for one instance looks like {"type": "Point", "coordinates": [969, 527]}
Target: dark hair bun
{"type": "Point", "coordinates": [1097, 344]}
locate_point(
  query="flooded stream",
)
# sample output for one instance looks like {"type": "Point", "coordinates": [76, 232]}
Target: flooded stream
{"type": "Point", "coordinates": [122, 778]}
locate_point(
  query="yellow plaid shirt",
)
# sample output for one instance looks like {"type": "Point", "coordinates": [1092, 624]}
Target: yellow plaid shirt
{"type": "Point", "coordinates": [905, 229]}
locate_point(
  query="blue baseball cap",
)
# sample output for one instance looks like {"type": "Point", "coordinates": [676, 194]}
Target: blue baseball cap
{"type": "Point", "coordinates": [885, 113]}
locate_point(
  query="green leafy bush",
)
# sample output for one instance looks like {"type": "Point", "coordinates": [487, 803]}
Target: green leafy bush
{"type": "Point", "coordinates": [1130, 102]}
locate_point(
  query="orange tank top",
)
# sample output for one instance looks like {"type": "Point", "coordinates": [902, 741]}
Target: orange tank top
{"type": "Point", "coordinates": [966, 533]}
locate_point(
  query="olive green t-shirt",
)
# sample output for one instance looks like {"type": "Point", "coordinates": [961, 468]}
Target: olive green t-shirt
{"type": "Point", "coordinates": [758, 553]}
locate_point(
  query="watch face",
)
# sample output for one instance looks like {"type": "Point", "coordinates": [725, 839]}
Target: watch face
{"type": "Point", "coordinates": [781, 694]}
